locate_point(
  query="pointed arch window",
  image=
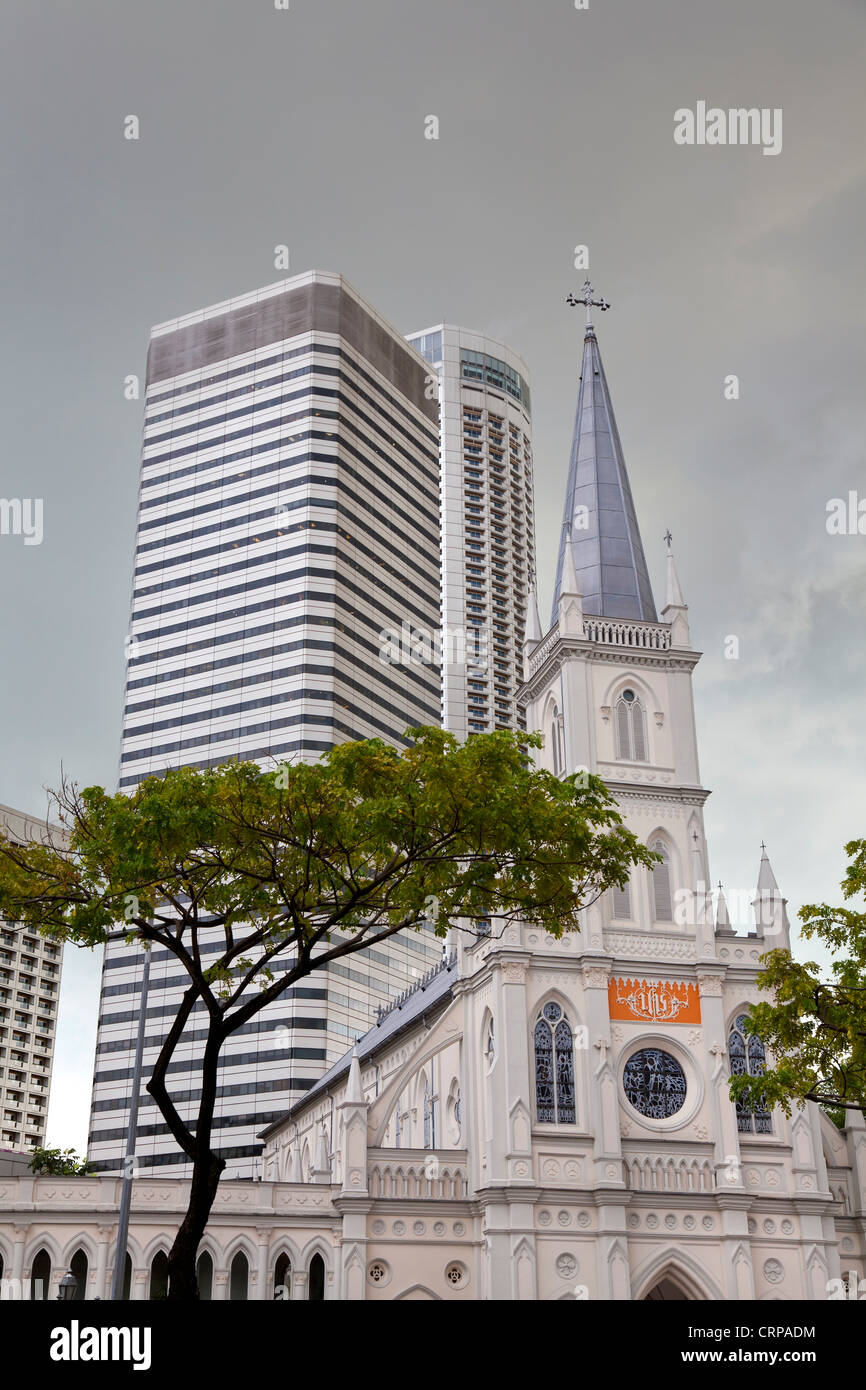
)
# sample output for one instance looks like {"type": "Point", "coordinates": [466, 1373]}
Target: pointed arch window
{"type": "Point", "coordinates": [239, 1275]}
{"type": "Point", "coordinates": [158, 1277]}
{"type": "Point", "coordinates": [620, 899]}
{"type": "Point", "coordinates": [748, 1058]}
{"type": "Point", "coordinates": [316, 1284]}
{"type": "Point", "coordinates": [428, 1115]}
{"type": "Point", "coordinates": [283, 1278]}
{"type": "Point", "coordinates": [554, 1067]}
{"type": "Point", "coordinates": [631, 740]}
{"type": "Point", "coordinates": [204, 1277]}
{"type": "Point", "coordinates": [40, 1276]}
{"type": "Point", "coordinates": [490, 1046]}
{"type": "Point", "coordinates": [662, 896]}
{"type": "Point", "coordinates": [556, 741]}
{"type": "Point", "coordinates": [78, 1266]}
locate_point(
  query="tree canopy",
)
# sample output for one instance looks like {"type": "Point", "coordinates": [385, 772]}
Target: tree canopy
{"type": "Point", "coordinates": [253, 879]}
{"type": "Point", "coordinates": [815, 1027]}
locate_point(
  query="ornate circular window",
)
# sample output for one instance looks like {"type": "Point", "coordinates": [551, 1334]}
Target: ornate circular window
{"type": "Point", "coordinates": [552, 1012]}
{"type": "Point", "coordinates": [654, 1083]}
{"type": "Point", "coordinates": [378, 1272]}
{"type": "Point", "coordinates": [628, 695]}
{"type": "Point", "coordinates": [456, 1275]}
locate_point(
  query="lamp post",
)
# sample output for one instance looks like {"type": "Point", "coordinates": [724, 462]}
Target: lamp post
{"type": "Point", "coordinates": [68, 1288]}
{"type": "Point", "coordinates": [129, 1161]}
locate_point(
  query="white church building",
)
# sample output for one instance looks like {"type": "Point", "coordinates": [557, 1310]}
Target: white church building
{"type": "Point", "coordinates": [538, 1118]}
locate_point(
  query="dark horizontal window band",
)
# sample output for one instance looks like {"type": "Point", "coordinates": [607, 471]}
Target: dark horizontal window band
{"type": "Point", "coordinates": [247, 542]}
{"type": "Point", "coordinates": [172, 1159]}
{"type": "Point", "coordinates": [298, 745]}
{"type": "Point", "coordinates": [242, 682]}
{"type": "Point", "coordinates": [241, 1088]}
{"type": "Point", "coordinates": [360, 668]}
{"type": "Point", "coordinates": [250, 544]}
{"type": "Point", "coordinates": [262, 403]}
{"type": "Point", "coordinates": [277, 575]}
{"type": "Point", "coordinates": [232, 1059]}
{"type": "Point", "coordinates": [423, 499]}
{"type": "Point", "coordinates": [156, 400]}
{"type": "Point", "coordinates": [376, 594]}
{"type": "Point", "coordinates": [200, 446]}
{"type": "Point", "coordinates": [263, 653]}
{"type": "Point", "coordinates": [242, 658]}
{"type": "Point", "coordinates": [162, 1131]}
{"type": "Point", "coordinates": [422, 424]}
{"type": "Point", "coordinates": [274, 700]}
{"type": "Point", "coordinates": [165, 1010]}
{"type": "Point", "coordinates": [311, 456]}
{"type": "Point", "coordinates": [201, 1034]}
{"type": "Point", "coordinates": [311, 717]}
{"type": "Point", "coordinates": [306, 596]}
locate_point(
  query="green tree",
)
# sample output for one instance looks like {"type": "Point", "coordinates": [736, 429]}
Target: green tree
{"type": "Point", "coordinates": [58, 1162]}
{"type": "Point", "coordinates": [290, 869]}
{"type": "Point", "coordinates": [815, 1027]}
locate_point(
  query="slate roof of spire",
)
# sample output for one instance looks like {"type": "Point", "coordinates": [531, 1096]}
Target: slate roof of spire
{"type": "Point", "coordinates": [608, 556]}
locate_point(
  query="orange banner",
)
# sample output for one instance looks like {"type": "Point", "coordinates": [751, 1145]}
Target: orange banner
{"type": "Point", "coordinates": [655, 1001]}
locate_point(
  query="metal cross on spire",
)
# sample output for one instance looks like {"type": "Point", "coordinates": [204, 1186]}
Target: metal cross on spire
{"type": "Point", "coordinates": [585, 298]}
{"type": "Point", "coordinates": [667, 538]}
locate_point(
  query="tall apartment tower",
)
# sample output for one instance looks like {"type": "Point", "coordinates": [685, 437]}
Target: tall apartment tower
{"type": "Point", "coordinates": [29, 988]}
{"type": "Point", "coordinates": [488, 525]}
{"type": "Point", "coordinates": [288, 517]}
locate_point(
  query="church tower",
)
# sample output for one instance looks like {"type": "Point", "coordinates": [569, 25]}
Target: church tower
{"type": "Point", "coordinates": [546, 1119]}
{"type": "Point", "coordinates": [606, 1054]}
{"type": "Point", "coordinates": [610, 686]}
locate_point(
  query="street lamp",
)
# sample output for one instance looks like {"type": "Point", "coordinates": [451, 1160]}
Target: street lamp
{"type": "Point", "coordinates": [68, 1288]}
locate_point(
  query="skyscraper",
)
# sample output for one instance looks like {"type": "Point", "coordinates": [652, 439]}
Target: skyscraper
{"type": "Point", "coordinates": [488, 524]}
{"type": "Point", "coordinates": [29, 989]}
{"type": "Point", "coordinates": [288, 517]}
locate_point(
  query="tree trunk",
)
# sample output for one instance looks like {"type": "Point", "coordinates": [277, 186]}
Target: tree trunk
{"type": "Point", "coordinates": [182, 1282]}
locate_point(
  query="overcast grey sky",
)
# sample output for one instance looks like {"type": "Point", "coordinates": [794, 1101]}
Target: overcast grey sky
{"type": "Point", "coordinates": [306, 127]}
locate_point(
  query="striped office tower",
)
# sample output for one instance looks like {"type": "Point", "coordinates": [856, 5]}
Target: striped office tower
{"type": "Point", "coordinates": [288, 518]}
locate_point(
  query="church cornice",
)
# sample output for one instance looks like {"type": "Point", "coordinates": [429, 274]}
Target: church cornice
{"type": "Point", "coordinates": [632, 791]}
{"type": "Point", "coordinates": [555, 652]}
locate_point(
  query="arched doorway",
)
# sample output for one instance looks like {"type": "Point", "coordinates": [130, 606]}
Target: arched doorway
{"type": "Point", "coordinates": [239, 1278]}
{"type": "Point", "coordinates": [78, 1266]}
{"type": "Point", "coordinates": [40, 1275]}
{"type": "Point", "coordinates": [666, 1290]}
{"type": "Point", "coordinates": [159, 1277]}
{"type": "Point", "coordinates": [283, 1278]}
{"type": "Point", "coordinates": [204, 1276]}
{"type": "Point", "coordinates": [316, 1290]}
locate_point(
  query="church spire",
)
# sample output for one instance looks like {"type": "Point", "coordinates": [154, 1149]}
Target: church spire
{"type": "Point", "coordinates": [569, 609]}
{"type": "Point", "coordinates": [533, 632]}
{"type": "Point", "coordinates": [676, 609]}
{"type": "Point", "coordinates": [599, 524]}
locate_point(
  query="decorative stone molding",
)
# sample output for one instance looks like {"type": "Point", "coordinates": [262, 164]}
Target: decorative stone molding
{"type": "Point", "coordinates": [596, 976]}
{"type": "Point", "coordinates": [513, 972]}
{"type": "Point", "coordinates": [653, 947]}
{"type": "Point", "coordinates": [710, 986]}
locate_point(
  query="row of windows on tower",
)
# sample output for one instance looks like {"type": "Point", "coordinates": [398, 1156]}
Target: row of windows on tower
{"type": "Point", "coordinates": [653, 1081]}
